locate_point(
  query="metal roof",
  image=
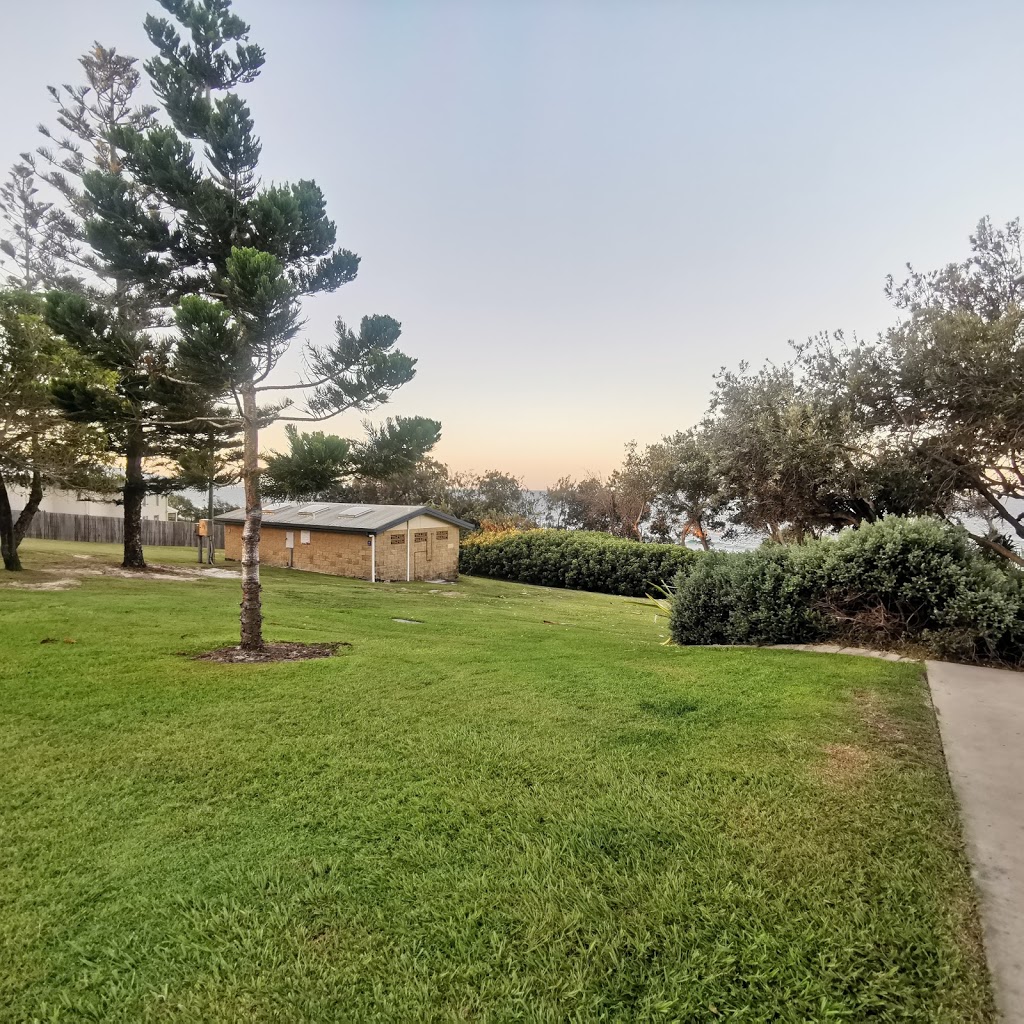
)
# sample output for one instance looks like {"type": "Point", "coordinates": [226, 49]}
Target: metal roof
{"type": "Point", "coordinates": [341, 517]}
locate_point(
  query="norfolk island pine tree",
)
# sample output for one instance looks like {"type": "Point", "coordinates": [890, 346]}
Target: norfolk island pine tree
{"type": "Point", "coordinates": [233, 257]}
{"type": "Point", "coordinates": [109, 318]}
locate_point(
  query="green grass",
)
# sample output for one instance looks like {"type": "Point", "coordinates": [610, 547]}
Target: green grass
{"type": "Point", "coordinates": [481, 817]}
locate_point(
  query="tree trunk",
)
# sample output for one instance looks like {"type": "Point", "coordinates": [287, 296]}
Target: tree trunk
{"type": "Point", "coordinates": [13, 533]}
{"type": "Point", "coordinates": [252, 610]}
{"type": "Point", "coordinates": [211, 539]}
{"type": "Point", "coordinates": [996, 548]}
{"type": "Point", "coordinates": [1004, 513]}
{"type": "Point", "coordinates": [27, 514]}
{"type": "Point", "coordinates": [134, 495]}
{"type": "Point", "coordinates": [8, 545]}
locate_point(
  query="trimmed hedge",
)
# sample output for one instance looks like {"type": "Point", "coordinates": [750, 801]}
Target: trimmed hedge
{"type": "Point", "coordinates": [577, 560]}
{"type": "Point", "coordinates": [898, 581]}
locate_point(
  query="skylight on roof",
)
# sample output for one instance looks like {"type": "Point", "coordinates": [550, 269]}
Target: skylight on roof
{"type": "Point", "coordinates": [355, 510]}
{"type": "Point", "coordinates": [312, 510]}
{"type": "Point", "coordinates": [269, 510]}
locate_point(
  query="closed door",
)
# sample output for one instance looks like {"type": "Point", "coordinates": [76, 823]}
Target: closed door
{"type": "Point", "coordinates": [420, 554]}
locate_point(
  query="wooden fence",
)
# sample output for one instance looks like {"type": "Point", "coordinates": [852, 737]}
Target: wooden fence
{"type": "Point", "coordinates": [108, 530]}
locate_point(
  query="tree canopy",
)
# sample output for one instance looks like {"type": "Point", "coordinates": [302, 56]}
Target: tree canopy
{"type": "Point", "coordinates": [38, 446]}
{"type": "Point", "coordinates": [187, 217]}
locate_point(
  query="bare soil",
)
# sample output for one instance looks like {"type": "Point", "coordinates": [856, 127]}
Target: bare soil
{"type": "Point", "coordinates": [845, 764]}
{"type": "Point", "coordinates": [71, 575]}
{"type": "Point", "coordinates": [283, 651]}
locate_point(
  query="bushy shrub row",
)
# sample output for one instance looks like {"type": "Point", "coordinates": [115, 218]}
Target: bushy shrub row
{"type": "Point", "coordinates": [895, 582]}
{"type": "Point", "coordinates": [574, 559]}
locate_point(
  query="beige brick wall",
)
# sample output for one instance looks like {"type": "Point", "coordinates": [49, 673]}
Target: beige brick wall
{"type": "Point", "coordinates": [340, 554]}
{"type": "Point", "coordinates": [426, 554]}
{"type": "Point", "coordinates": [432, 555]}
{"type": "Point", "coordinates": [233, 542]}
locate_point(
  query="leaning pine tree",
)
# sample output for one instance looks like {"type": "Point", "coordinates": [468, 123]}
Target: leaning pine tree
{"type": "Point", "coordinates": [235, 257]}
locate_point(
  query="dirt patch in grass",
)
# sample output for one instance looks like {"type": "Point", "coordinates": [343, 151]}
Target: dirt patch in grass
{"type": "Point", "coordinates": [71, 575]}
{"type": "Point", "coordinates": [877, 718]}
{"type": "Point", "coordinates": [845, 764]}
{"type": "Point", "coordinates": [180, 573]}
{"type": "Point", "coordinates": [63, 584]}
{"type": "Point", "coordinates": [271, 652]}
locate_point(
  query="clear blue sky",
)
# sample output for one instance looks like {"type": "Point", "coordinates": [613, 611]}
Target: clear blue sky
{"type": "Point", "coordinates": [581, 210]}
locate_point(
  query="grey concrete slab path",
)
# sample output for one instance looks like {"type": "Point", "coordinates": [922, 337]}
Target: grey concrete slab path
{"type": "Point", "coordinates": [981, 720]}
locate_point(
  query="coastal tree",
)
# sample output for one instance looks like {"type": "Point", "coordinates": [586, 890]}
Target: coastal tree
{"type": "Point", "coordinates": [35, 242]}
{"type": "Point", "coordinates": [326, 467]}
{"type": "Point", "coordinates": [633, 487]}
{"type": "Point", "coordinates": [586, 504]}
{"type": "Point", "coordinates": [942, 391]}
{"type": "Point", "coordinates": [189, 214]}
{"type": "Point", "coordinates": [689, 489]}
{"type": "Point", "coordinates": [110, 317]}
{"type": "Point", "coordinates": [312, 469]}
{"type": "Point", "coordinates": [38, 446]}
{"type": "Point", "coordinates": [207, 456]}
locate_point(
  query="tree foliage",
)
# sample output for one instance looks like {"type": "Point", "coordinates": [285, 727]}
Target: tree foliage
{"type": "Point", "coordinates": [110, 318]}
{"type": "Point", "coordinates": [690, 499]}
{"type": "Point", "coordinates": [311, 470]}
{"type": "Point", "coordinates": [38, 446]}
{"type": "Point", "coordinates": [926, 419]}
{"type": "Point", "coordinates": [326, 467]}
{"type": "Point", "coordinates": [35, 245]}
{"type": "Point", "coordinates": [188, 217]}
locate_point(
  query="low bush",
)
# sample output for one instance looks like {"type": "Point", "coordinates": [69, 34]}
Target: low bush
{"type": "Point", "coordinates": [891, 583]}
{"type": "Point", "coordinates": [756, 597]}
{"type": "Point", "coordinates": [573, 559]}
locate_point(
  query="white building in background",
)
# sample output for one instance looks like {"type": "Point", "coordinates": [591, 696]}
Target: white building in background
{"type": "Point", "coordinates": [154, 506]}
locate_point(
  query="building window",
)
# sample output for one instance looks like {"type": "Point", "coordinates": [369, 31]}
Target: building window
{"type": "Point", "coordinates": [441, 535]}
{"type": "Point", "coordinates": [304, 536]}
{"type": "Point", "coordinates": [419, 538]}
{"type": "Point", "coordinates": [398, 538]}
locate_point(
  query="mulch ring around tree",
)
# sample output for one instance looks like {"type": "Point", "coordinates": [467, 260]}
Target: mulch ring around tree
{"type": "Point", "coordinates": [282, 651]}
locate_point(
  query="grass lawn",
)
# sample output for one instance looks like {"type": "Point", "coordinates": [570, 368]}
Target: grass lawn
{"type": "Point", "coordinates": [482, 816]}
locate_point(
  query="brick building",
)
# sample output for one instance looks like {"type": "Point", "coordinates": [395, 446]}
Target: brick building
{"type": "Point", "coordinates": [370, 542]}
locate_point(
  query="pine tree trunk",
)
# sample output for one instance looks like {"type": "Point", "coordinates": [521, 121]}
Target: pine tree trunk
{"type": "Point", "coordinates": [8, 545]}
{"type": "Point", "coordinates": [134, 495]}
{"type": "Point", "coordinates": [211, 536]}
{"type": "Point", "coordinates": [27, 514]}
{"type": "Point", "coordinates": [252, 611]}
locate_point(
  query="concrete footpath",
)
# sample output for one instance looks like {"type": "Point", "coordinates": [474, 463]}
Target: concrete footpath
{"type": "Point", "coordinates": [981, 720]}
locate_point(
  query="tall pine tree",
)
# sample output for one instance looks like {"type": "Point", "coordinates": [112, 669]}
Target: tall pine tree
{"type": "Point", "coordinates": [35, 245]}
{"type": "Point", "coordinates": [189, 215]}
{"type": "Point", "coordinates": [112, 318]}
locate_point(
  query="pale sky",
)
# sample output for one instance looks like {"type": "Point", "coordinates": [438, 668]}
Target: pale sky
{"type": "Point", "coordinates": [581, 210]}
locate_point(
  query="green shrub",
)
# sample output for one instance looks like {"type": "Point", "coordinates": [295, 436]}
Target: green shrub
{"type": "Point", "coordinates": [576, 560]}
{"type": "Point", "coordinates": [894, 582]}
{"type": "Point", "coordinates": [704, 600]}
{"type": "Point", "coordinates": [757, 597]}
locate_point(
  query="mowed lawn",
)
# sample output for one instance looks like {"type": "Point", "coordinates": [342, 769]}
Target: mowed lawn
{"type": "Point", "coordinates": [521, 808]}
